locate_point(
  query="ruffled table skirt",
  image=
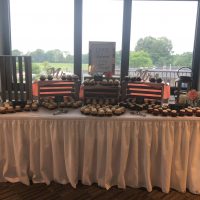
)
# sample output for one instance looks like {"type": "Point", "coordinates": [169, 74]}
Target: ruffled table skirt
{"type": "Point", "coordinates": [124, 151]}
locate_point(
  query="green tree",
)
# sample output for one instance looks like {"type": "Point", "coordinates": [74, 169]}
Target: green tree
{"type": "Point", "coordinates": [16, 52]}
{"type": "Point", "coordinates": [38, 55]}
{"type": "Point", "coordinates": [140, 59]}
{"type": "Point", "coordinates": [55, 56]}
{"type": "Point", "coordinates": [183, 60]}
{"type": "Point", "coordinates": [159, 49]}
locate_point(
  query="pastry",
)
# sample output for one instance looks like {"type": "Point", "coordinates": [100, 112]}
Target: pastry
{"type": "Point", "coordinates": [34, 107]}
{"type": "Point", "coordinates": [94, 111]}
{"type": "Point", "coordinates": [86, 111]}
{"type": "Point", "coordinates": [150, 110]}
{"type": "Point", "coordinates": [164, 113]}
{"type": "Point", "coordinates": [198, 113]}
{"type": "Point", "coordinates": [118, 111]}
{"type": "Point", "coordinates": [3, 110]}
{"type": "Point", "coordinates": [156, 112]}
{"type": "Point", "coordinates": [18, 108]}
{"type": "Point", "coordinates": [182, 112]}
{"type": "Point", "coordinates": [108, 112]}
{"type": "Point", "coordinates": [27, 107]}
{"type": "Point", "coordinates": [101, 112]}
{"type": "Point", "coordinates": [173, 113]}
{"type": "Point", "coordinates": [189, 112]}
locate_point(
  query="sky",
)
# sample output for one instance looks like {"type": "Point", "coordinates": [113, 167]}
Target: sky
{"type": "Point", "coordinates": [49, 24]}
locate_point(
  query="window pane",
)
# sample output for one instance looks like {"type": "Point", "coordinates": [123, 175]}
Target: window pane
{"type": "Point", "coordinates": [44, 30]}
{"type": "Point", "coordinates": [162, 37]}
{"type": "Point", "coordinates": [102, 21]}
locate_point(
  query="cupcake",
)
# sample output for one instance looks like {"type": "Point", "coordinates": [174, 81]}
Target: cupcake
{"type": "Point", "coordinates": [173, 113]}
{"type": "Point", "coordinates": [182, 112]}
{"type": "Point", "coordinates": [27, 107]}
{"type": "Point", "coordinates": [150, 110]}
{"type": "Point", "coordinates": [34, 107]}
{"type": "Point", "coordinates": [3, 110]}
{"type": "Point", "coordinates": [164, 113]}
{"type": "Point", "coordinates": [189, 112]}
{"type": "Point", "coordinates": [160, 110]}
{"type": "Point", "coordinates": [86, 111]}
{"type": "Point", "coordinates": [198, 113]}
{"type": "Point", "coordinates": [18, 108]}
{"type": "Point", "coordinates": [156, 112]}
{"type": "Point", "coordinates": [118, 111]}
{"type": "Point", "coordinates": [10, 109]}
{"type": "Point", "coordinates": [108, 112]}
{"type": "Point", "coordinates": [94, 111]}
{"type": "Point", "coordinates": [51, 106]}
{"type": "Point", "coordinates": [101, 112]}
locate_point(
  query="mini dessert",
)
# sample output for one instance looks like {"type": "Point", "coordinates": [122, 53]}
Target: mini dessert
{"type": "Point", "coordinates": [86, 111]}
{"type": "Point", "coordinates": [3, 110]}
{"type": "Point", "coordinates": [189, 112]}
{"type": "Point", "coordinates": [94, 111]}
{"type": "Point", "coordinates": [156, 106]}
{"type": "Point", "coordinates": [116, 82]}
{"type": "Point", "coordinates": [150, 110]}
{"type": "Point", "coordinates": [108, 112]}
{"type": "Point", "coordinates": [18, 108]}
{"type": "Point", "coordinates": [198, 113]}
{"type": "Point", "coordinates": [110, 82]}
{"type": "Point", "coordinates": [194, 110]}
{"type": "Point", "coordinates": [160, 110]}
{"type": "Point", "coordinates": [82, 109]}
{"type": "Point", "coordinates": [101, 112]}
{"type": "Point", "coordinates": [182, 112]}
{"type": "Point", "coordinates": [169, 110]}
{"type": "Point", "coordinates": [113, 109]}
{"type": "Point", "coordinates": [156, 112]}
{"type": "Point", "coordinates": [51, 106]}
{"type": "Point", "coordinates": [75, 105]}
{"type": "Point", "coordinates": [34, 107]}
{"type": "Point", "coordinates": [173, 113]}
{"type": "Point", "coordinates": [27, 107]}
{"type": "Point", "coordinates": [123, 109]}
{"type": "Point", "coordinates": [50, 77]}
{"type": "Point", "coordinates": [118, 111]}
{"type": "Point", "coordinates": [164, 113]}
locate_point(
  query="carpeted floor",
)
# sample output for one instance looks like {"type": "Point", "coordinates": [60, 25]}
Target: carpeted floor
{"type": "Point", "coordinates": [55, 191]}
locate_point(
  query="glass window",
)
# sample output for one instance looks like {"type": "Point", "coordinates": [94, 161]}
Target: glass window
{"type": "Point", "coordinates": [44, 30]}
{"type": "Point", "coordinates": [162, 38]}
{"type": "Point", "coordinates": [102, 21]}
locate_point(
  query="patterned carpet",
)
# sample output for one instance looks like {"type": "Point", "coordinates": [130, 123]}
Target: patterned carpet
{"type": "Point", "coordinates": [55, 191]}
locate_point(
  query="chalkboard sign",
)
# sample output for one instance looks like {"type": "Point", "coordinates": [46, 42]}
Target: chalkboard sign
{"type": "Point", "coordinates": [59, 99]}
{"type": "Point", "coordinates": [101, 57]}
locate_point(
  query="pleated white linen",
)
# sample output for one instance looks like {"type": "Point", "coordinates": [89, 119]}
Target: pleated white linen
{"type": "Point", "coordinates": [123, 151]}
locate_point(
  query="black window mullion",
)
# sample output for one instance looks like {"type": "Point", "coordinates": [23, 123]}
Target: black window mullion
{"type": "Point", "coordinates": [78, 7]}
{"type": "Point", "coordinates": [196, 52]}
{"type": "Point", "coordinates": [5, 34]}
{"type": "Point", "coordinates": [126, 32]}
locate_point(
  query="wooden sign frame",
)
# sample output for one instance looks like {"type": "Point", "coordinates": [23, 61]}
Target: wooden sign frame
{"type": "Point", "coordinates": [101, 57]}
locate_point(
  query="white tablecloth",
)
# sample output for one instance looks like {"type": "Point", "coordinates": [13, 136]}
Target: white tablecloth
{"type": "Point", "coordinates": [124, 151]}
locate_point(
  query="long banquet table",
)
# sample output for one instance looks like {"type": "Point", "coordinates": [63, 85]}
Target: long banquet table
{"type": "Point", "coordinates": [128, 150]}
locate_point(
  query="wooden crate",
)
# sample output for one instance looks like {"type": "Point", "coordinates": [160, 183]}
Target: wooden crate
{"type": "Point", "coordinates": [16, 78]}
{"type": "Point", "coordinates": [150, 91]}
{"type": "Point", "coordinates": [58, 88]}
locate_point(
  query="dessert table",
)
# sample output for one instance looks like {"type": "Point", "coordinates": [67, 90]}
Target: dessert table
{"type": "Point", "coordinates": [128, 150]}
